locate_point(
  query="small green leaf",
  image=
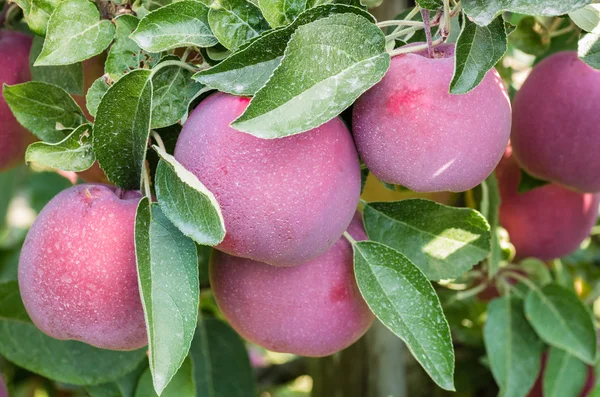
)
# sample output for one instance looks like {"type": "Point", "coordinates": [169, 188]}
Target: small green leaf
{"type": "Point", "coordinates": [444, 242]}
{"type": "Point", "coordinates": [283, 12]}
{"type": "Point", "coordinates": [173, 89]}
{"type": "Point", "coordinates": [247, 70]}
{"type": "Point", "coordinates": [531, 37]}
{"type": "Point", "coordinates": [125, 55]}
{"type": "Point", "coordinates": [478, 49]}
{"type": "Point", "coordinates": [94, 95]}
{"type": "Point", "coordinates": [74, 153]}
{"type": "Point", "coordinates": [187, 202]}
{"type": "Point", "coordinates": [75, 33]}
{"type": "Point", "coordinates": [234, 22]}
{"type": "Point", "coordinates": [64, 361]}
{"type": "Point", "coordinates": [220, 374]}
{"type": "Point", "coordinates": [182, 384]}
{"type": "Point", "coordinates": [69, 78]}
{"type": "Point", "coordinates": [122, 128]}
{"type": "Point", "coordinates": [167, 266]}
{"type": "Point", "coordinates": [327, 65]}
{"type": "Point", "coordinates": [484, 11]}
{"type": "Point", "coordinates": [587, 18]}
{"type": "Point", "coordinates": [565, 375]}
{"type": "Point", "coordinates": [430, 4]}
{"type": "Point", "coordinates": [489, 207]}
{"type": "Point", "coordinates": [37, 13]}
{"type": "Point", "coordinates": [528, 182]}
{"type": "Point", "coordinates": [514, 350]}
{"type": "Point", "coordinates": [181, 24]}
{"type": "Point", "coordinates": [562, 320]}
{"type": "Point", "coordinates": [589, 49]}
{"type": "Point", "coordinates": [402, 298]}
{"type": "Point", "coordinates": [537, 271]}
{"type": "Point", "coordinates": [44, 109]}
{"type": "Point", "coordinates": [123, 387]}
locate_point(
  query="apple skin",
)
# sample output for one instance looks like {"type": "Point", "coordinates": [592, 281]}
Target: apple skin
{"type": "Point", "coordinates": [410, 131]}
{"type": "Point", "coordinates": [547, 222]}
{"type": "Point", "coordinates": [556, 122]}
{"type": "Point", "coordinates": [314, 309]}
{"type": "Point", "coordinates": [284, 201]}
{"type": "Point", "coordinates": [77, 270]}
{"type": "Point", "coordinates": [14, 56]}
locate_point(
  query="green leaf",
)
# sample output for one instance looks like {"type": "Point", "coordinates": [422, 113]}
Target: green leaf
{"type": "Point", "coordinates": [537, 271]}
{"type": "Point", "coordinates": [173, 89]}
{"type": "Point", "coordinates": [221, 364]}
{"type": "Point", "coordinates": [531, 37]}
{"type": "Point", "coordinates": [513, 348]}
{"type": "Point", "coordinates": [44, 109]}
{"type": "Point", "coordinates": [122, 128]}
{"type": "Point", "coordinates": [402, 298]}
{"type": "Point", "coordinates": [122, 387]}
{"type": "Point", "coordinates": [64, 361]}
{"type": "Point", "coordinates": [187, 202]}
{"type": "Point", "coordinates": [565, 375]}
{"type": "Point", "coordinates": [430, 4]}
{"type": "Point", "coordinates": [327, 65]}
{"type": "Point", "coordinates": [528, 182]}
{"type": "Point", "coordinates": [94, 95]}
{"type": "Point", "coordinates": [74, 153]}
{"type": "Point", "coordinates": [484, 11]}
{"type": "Point", "coordinates": [444, 242]}
{"type": "Point", "coordinates": [75, 33]}
{"type": "Point", "coordinates": [37, 13]}
{"type": "Point", "coordinates": [182, 384]}
{"type": "Point", "coordinates": [478, 49]}
{"type": "Point", "coordinates": [247, 70]}
{"type": "Point", "coordinates": [69, 78]}
{"type": "Point", "coordinates": [489, 207]}
{"type": "Point", "coordinates": [181, 24]}
{"type": "Point", "coordinates": [562, 320]}
{"type": "Point", "coordinates": [125, 55]}
{"type": "Point", "coordinates": [234, 22]}
{"type": "Point", "coordinates": [283, 12]}
{"type": "Point", "coordinates": [587, 18]}
{"type": "Point", "coordinates": [589, 49]}
{"type": "Point", "coordinates": [167, 266]}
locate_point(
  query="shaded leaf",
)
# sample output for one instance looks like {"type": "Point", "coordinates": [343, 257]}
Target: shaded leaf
{"type": "Point", "coordinates": [94, 95]}
{"type": "Point", "coordinates": [69, 78]}
{"type": "Point", "coordinates": [221, 364]}
{"type": "Point", "coordinates": [587, 18]}
{"type": "Point", "coordinates": [589, 49]}
{"type": "Point", "coordinates": [565, 375]}
{"type": "Point", "coordinates": [122, 128]}
{"type": "Point", "coordinates": [71, 362]}
{"type": "Point", "coordinates": [44, 109]}
{"type": "Point", "coordinates": [514, 350]}
{"type": "Point", "coordinates": [37, 13]}
{"type": "Point", "coordinates": [562, 320]}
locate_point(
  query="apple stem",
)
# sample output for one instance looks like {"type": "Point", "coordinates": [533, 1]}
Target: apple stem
{"type": "Point", "coordinates": [427, 25]}
{"type": "Point", "coordinates": [158, 140]}
{"type": "Point", "coordinates": [349, 238]}
{"type": "Point", "coordinates": [146, 180]}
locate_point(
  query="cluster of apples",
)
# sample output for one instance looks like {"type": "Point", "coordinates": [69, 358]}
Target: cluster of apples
{"type": "Point", "coordinates": [283, 276]}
